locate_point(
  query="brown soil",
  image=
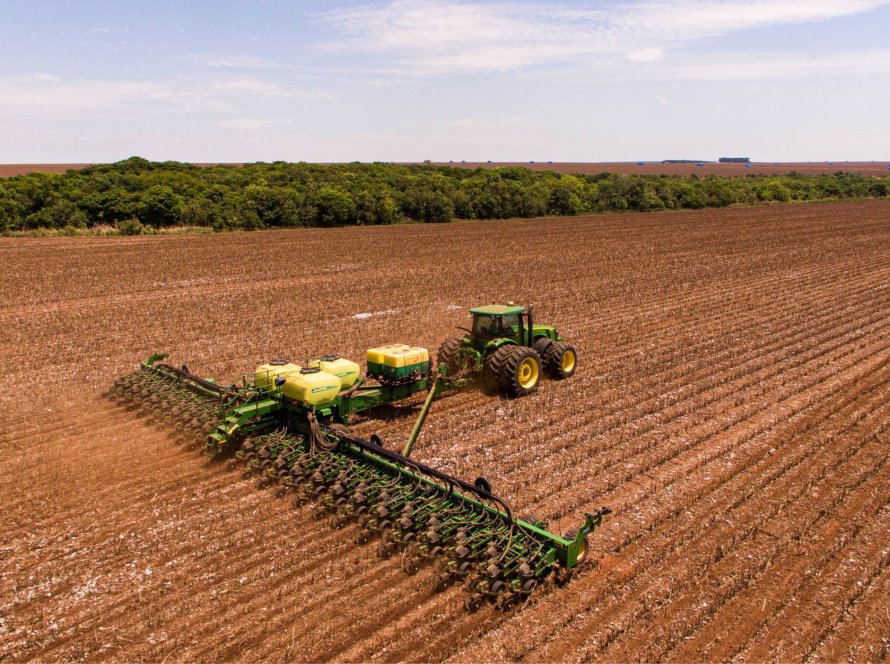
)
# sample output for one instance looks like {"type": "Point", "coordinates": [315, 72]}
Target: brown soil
{"type": "Point", "coordinates": [879, 168]}
{"type": "Point", "coordinates": [732, 405]}
{"type": "Point", "coordinates": [8, 170]}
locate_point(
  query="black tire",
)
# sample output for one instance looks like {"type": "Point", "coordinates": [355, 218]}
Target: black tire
{"type": "Point", "coordinates": [506, 601]}
{"type": "Point", "coordinates": [474, 602]}
{"type": "Point", "coordinates": [561, 360]}
{"type": "Point", "coordinates": [440, 582]}
{"type": "Point", "coordinates": [542, 345]}
{"type": "Point", "coordinates": [450, 355]}
{"type": "Point", "coordinates": [494, 365]}
{"type": "Point", "coordinates": [519, 370]}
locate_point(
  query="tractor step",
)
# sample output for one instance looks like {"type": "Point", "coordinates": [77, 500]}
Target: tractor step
{"type": "Point", "coordinates": [255, 408]}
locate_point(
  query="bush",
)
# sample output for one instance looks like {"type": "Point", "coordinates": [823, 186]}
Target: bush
{"type": "Point", "coordinates": [565, 197]}
{"type": "Point", "coordinates": [334, 207]}
{"type": "Point", "coordinates": [58, 214]}
{"type": "Point", "coordinates": [161, 206]}
{"type": "Point", "coordinates": [130, 227]}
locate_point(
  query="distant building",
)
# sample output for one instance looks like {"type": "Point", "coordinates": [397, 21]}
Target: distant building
{"type": "Point", "coordinates": [734, 160]}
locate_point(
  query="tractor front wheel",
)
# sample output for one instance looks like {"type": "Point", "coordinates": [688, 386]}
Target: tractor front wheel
{"type": "Point", "coordinates": [515, 370]}
{"type": "Point", "coordinates": [561, 360]}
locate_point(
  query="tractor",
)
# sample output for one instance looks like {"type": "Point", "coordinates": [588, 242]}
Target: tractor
{"type": "Point", "coordinates": [508, 349]}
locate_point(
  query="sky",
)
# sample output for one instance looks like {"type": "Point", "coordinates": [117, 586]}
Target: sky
{"type": "Point", "coordinates": [400, 80]}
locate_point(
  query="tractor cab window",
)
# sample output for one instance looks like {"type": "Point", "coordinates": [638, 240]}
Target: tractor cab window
{"type": "Point", "coordinates": [487, 327]}
{"type": "Point", "coordinates": [510, 325]}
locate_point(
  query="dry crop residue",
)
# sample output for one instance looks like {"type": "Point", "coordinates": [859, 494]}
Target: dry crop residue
{"type": "Point", "coordinates": [732, 405]}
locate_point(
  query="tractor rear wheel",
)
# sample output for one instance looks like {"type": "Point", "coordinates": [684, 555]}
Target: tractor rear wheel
{"type": "Point", "coordinates": [517, 368]}
{"type": "Point", "coordinates": [561, 360]}
{"type": "Point", "coordinates": [450, 355]}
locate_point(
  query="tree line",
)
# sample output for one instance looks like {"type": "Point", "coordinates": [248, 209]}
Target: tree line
{"type": "Point", "coordinates": [137, 196]}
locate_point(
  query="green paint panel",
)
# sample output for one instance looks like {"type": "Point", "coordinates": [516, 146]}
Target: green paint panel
{"type": "Point", "coordinates": [497, 310]}
{"type": "Point", "coordinates": [396, 373]}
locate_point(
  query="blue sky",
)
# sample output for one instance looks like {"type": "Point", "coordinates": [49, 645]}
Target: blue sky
{"type": "Point", "coordinates": [776, 80]}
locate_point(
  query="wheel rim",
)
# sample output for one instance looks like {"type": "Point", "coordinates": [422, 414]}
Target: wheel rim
{"type": "Point", "coordinates": [582, 552]}
{"type": "Point", "coordinates": [528, 373]}
{"type": "Point", "coordinates": [568, 361]}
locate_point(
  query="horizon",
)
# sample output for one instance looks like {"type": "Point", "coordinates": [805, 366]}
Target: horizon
{"type": "Point", "coordinates": [441, 80]}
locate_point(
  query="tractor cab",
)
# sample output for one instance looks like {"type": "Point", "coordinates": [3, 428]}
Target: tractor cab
{"type": "Point", "coordinates": [497, 321]}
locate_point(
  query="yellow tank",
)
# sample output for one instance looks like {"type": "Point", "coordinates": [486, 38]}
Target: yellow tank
{"type": "Point", "coordinates": [377, 355]}
{"type": "Point", "coordinates": [265, 375]}
{"type": "Point", "coordinates": [397, 361]}
{"type": "Point", "coordinates": [409, 357]}
{"type": "Point", "coordinates": [346, 370]}
{"type": "Point", "coordinates": [311, 386]}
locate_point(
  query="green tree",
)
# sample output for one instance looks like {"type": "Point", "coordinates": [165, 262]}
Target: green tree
{"type": "Point", "coordinates": [264, 201]}
{"type": "Point", "coordinates": [334, 207]}
{"type": "Point", "coordinates": [880, 189]}
{"type": "Point", "coordinates": [423, 204]}
{"type": "Point", "coordinates": [8, 216]}
{"type": "Point", "coordinates": [690, 195]}
{"type": "Point", "coordinates": [161, 206]}
{"type": "Point", "coordinates": [565, 197]}
{"type": "Point", "coordinates": [59, 214]}
{"type": "Point", "coordinates": [285, 195]}
{"type": "Point", "coordinates": [774, 190]}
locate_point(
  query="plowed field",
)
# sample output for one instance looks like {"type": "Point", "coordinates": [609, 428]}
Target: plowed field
{"type": "Point", "coordinates": [876, 168]}
{"type": "Point", "coordinates": [732, 406]}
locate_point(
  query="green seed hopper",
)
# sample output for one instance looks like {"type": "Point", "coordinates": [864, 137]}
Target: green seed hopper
{"type": "Point", "coordinates": [465, 530]}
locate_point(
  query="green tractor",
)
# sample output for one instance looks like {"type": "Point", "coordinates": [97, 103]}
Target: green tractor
{"type": "Point", "coordinates": [509, 350]}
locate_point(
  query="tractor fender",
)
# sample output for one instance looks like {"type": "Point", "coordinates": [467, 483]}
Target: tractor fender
{"type": "Point", "coordinates": [545, 332]}
{"type": "Point", "coordinates": [494, 344]}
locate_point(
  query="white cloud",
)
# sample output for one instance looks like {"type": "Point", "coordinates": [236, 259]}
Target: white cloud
{"type": "Point", "coordinates": [743, 66]}
{"type": "Point", "coordinates": [646, 55]}
{"type": "Point", "coordinates": [248, 86]}
{"type": "Point", "coordinates": [43, 92]}
{"type": "Point", "coordinates": [43, 76]}
{"type": "Point", "coordinates": [509, 122]}
{"type": "Point", "coordinates": [234, 61]}
{"type": "Point", "coordinates": [249, 124]}
{"type": "Point", "coordinates": [715, 17]}
{"type": "Point", "coordinates": [447, 36]}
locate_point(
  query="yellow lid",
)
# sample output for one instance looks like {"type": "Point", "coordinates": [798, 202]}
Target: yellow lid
{"type": "Point", "coordinates": [265, 375]}
{"type": "Point", "coordinates": [377, 355]}
{"type": "Point", "coordinates": [398, 355]}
